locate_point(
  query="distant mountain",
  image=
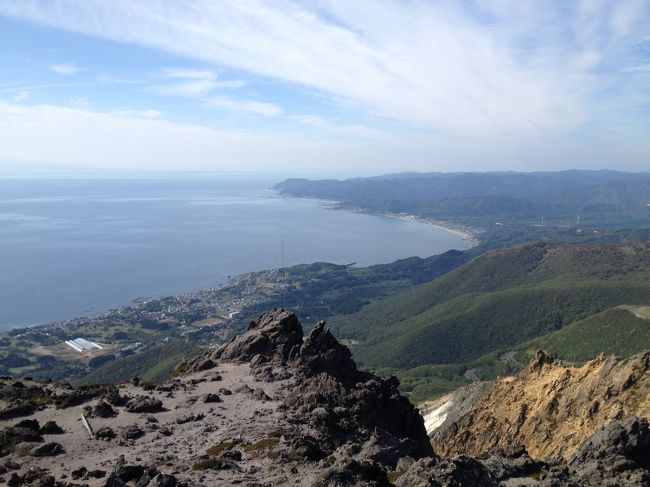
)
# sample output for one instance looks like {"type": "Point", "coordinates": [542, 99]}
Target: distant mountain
{"type": "Point", "coordinates": [499, 300]}
{"type": "Point", "coordinates": [603, 198]}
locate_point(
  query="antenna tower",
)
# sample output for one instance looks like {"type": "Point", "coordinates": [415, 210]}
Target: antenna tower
{"type": "Point", "coordinates": [283, 284]}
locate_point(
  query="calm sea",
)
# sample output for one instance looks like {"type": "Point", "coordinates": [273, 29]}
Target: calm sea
{"type": "Point", "coordinates": [79, 246]}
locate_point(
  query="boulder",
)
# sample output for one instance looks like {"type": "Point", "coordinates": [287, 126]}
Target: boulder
{"type": "Point", "coordinates": [47, 450]}
{"type": "Point", "coordinates": [144, 404]}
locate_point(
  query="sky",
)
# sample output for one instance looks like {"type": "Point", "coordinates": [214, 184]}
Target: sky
{"type": "Point", "coordinates": [330, 87]}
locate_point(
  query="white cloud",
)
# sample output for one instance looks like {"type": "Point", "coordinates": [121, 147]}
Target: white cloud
{"type": "Point", "coordinates": [144, 139]}
{"type": "Point", "coordinates": [476, 81]}
{"type": "Point", "coordinates": [429, 64]}
{"type": "Point", "coordinates": [256, 107]}
{"type": "Point", "coordinates": [204, 74]}
{"type": "Point", "coordinates": [199, 83]}
{"type": "Point", "coordinates": [64, 69]}
{"type": "Point", "coordinates": [21, 96]}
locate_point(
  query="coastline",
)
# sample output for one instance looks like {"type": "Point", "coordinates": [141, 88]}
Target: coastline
{"type": "Point", "coordinates": [467, 234]}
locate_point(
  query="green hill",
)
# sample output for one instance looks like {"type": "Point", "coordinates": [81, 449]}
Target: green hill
{"type": "Point", "coordinates": [155, 364]}
{"type": "Point", "coordinates": [602, 198]}
{"type": "Point", "coordinates": [616, 331]}
{"type": "Point", "coordinates": [496, 301]}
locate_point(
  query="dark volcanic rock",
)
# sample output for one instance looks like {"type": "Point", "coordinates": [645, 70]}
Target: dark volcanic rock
{"type": "Point", "coordinates": [132, 432]}
{"type": "Point", "coordinates": [210, 398]}
{"type": "Point", "coordinates": [105, 433]}
{"type": "Point", "coordinates": [24, 431]}
{"type": "Point", "coordinates": [144, 404]}
{"type": "Point", "coordinates": [462, 471]}
{"type": "Point", "coordinates": [51, 428]}
{"type": "Point", "coordinates": [342, 401]}
{"type": "Point", "coordinates": [618, 454]}
{"type": "Point", "coordinates": [268, 339]}
{"type": "Point", "coordinates": [47, 450]}
{"type": "Point", "coordinates": [113, 397]}
{"type": "Point", "coordinates": [360, 474]}
{"type": "Point", "coordinates": [515, 465]}
{"type": "Point", "coordinates": [103, 410]}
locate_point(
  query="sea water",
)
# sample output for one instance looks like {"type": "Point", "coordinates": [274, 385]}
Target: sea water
{"type": "Point", "coordinates": [71, 247]}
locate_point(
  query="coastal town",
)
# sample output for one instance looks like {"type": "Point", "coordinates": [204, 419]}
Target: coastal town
{"type": "Point", "coordinates": [72, 346]}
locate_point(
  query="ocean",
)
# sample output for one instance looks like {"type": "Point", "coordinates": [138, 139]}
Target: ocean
{"type": "Point", "coordinates": [72, 247]}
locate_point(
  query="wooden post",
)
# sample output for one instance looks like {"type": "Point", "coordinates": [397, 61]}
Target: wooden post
{"type": "Point", "coordinates": [86, 424]}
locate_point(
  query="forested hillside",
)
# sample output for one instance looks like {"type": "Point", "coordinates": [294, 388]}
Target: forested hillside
{"type": "Point", "coordinates": [601, 198]}
{"type": "Point", "coordinates": [496, 301]}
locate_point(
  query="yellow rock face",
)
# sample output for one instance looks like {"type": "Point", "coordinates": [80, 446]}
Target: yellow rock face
{"type": "Point", "coordinates": [550, 409]}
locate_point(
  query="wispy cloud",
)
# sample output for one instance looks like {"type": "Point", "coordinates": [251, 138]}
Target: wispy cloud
{"type": "Point", "coordinates": [478, 68]}
{"type": "Point", "coordinates": [203, 83]}
{"type": "Point", "coordinates": [475, 80]}
{"type": "Point", "coordinates": [65, 69]}
{"type": "Point", "coordinates": [257, 107]}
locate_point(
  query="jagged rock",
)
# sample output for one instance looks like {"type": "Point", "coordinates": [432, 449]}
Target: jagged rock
{"type": "Point", "coordinates": [349, 400]}
{"type": "Point", "coordinates": [270, 337]}
{"type": "Point", "coordinates": [144, 404]}
{"type": "Point", "coordinates": [618, 454]}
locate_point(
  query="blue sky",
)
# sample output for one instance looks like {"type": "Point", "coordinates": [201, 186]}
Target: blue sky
{"type": "Point", "coordinates": [324, 87]}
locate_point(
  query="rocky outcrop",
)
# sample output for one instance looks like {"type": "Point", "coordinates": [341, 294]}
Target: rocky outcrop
{"type": "Point", "coordinates": [342, 402]}
{"type": "Point", "coordinates": [550, 409]}
{"type": "Point", "coordinates": [269, 339]}
{"type": "Point", "coordinates": [618, 454]}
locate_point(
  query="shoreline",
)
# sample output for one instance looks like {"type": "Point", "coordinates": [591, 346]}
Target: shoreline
{"type": "Point", "coordinates": [468, 235]}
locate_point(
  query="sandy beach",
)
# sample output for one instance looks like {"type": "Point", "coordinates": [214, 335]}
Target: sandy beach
{"type": "Point", "coordinates": [468, 235]}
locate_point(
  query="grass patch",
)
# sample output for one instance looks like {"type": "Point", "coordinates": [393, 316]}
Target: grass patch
{"type": "Point", "coordinates": [261, 444]}
{"type": "Point", "coordinates": [217, 449]}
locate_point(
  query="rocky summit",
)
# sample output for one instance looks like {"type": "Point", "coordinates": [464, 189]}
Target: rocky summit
{"type": "Point", "coordinates": [270, 407]}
